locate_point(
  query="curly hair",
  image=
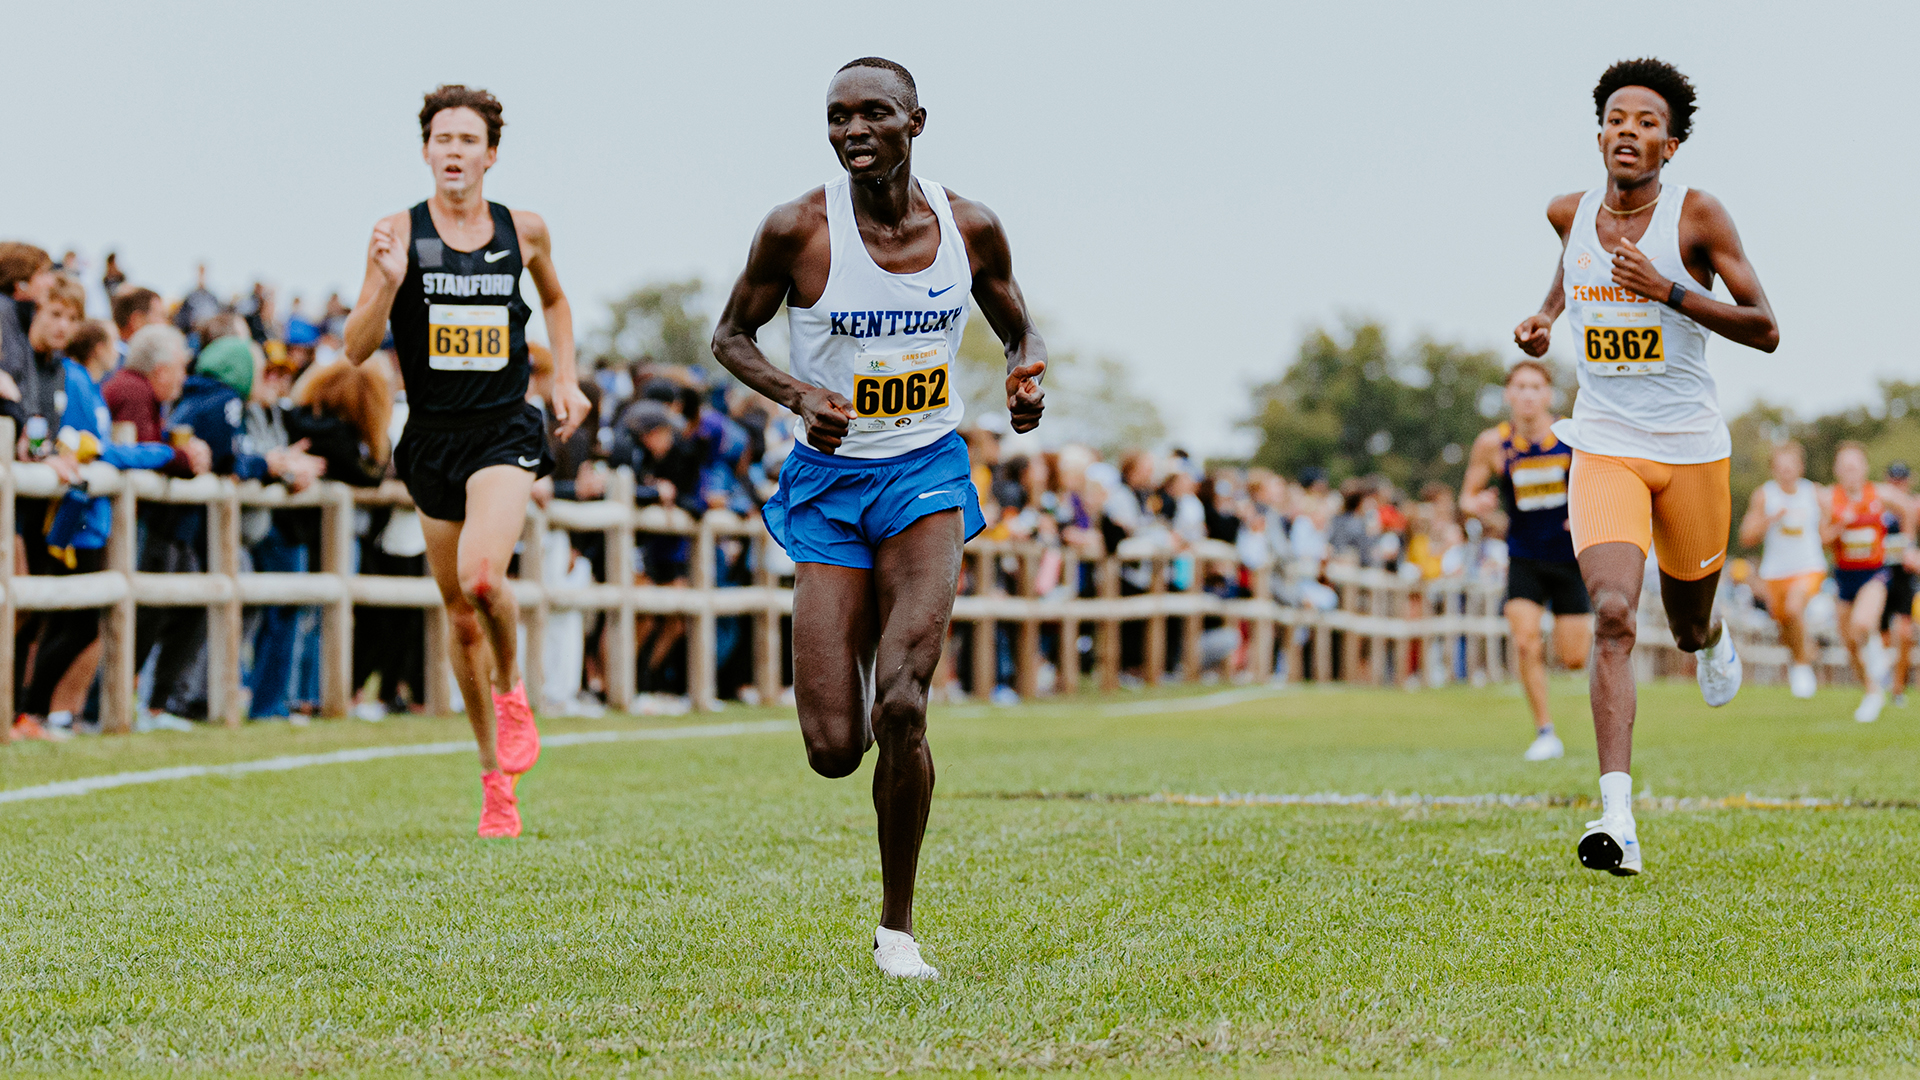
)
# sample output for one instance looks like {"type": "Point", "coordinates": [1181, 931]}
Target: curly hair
{"type": "Point", "coordinates": [911, 99]}
{"type": "Point", "coordinates": [1658, 76]}
{"type": "Point", "coordinates": [456, 96]}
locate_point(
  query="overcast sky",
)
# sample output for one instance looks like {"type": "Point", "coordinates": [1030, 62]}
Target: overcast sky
{"type": "Point", "coordinates": [1187, 186]}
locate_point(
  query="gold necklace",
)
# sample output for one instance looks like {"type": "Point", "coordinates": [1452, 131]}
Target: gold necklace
{"type": "Point", "coordinates": [1635, 210]}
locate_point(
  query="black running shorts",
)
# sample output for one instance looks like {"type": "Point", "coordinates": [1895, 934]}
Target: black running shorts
{"type": "Point", "coordinates": [1899, 596]}
{"type": "Point", "coordinates": [1556, 586]}
{"type": "Point", "coordinates": [437, 455]}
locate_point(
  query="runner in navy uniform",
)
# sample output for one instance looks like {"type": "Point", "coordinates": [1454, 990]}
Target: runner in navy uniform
{"type": "Point", "coordinates": [1529, 467]}
{"type": "Point", "coordinates": [445, 276]}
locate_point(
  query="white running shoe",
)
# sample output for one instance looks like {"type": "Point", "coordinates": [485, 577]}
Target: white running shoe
{"type": "Point", "coordinates": [899, 955]}
{"type": "Point", "coordinates": [1546, 746]}
{"type": "Point", "coordinates": [1611, 844]}
{"type": "Point", "coordinates": [1718, 674]}
{"type": "Point", "coordinates": [1870, 706]}
{"type": "Point", "coordinates": [1802, 681]}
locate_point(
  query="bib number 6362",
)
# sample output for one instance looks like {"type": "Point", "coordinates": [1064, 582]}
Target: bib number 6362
{"type": "Point", "coordinates": [1623, 340]}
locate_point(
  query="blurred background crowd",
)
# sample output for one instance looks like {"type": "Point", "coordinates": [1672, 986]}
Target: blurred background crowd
{"type": "Point", "coordinates": [1358, 454]}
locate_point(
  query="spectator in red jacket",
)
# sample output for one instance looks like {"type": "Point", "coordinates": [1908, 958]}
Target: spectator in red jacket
{"type": "Point", "coordinates": [155, 370]}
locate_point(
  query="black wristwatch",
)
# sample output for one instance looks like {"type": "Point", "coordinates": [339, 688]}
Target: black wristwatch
{"type": "Point", "coordinates": [1675, 295]}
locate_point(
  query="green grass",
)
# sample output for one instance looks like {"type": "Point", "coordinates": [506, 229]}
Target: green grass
{"type": "Point", "coordinates": [703, 906]}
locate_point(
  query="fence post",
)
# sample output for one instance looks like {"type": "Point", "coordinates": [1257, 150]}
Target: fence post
{"type": "Point", "coordinates": [1194, 624]}
{"type": "Point", "coordinates": [702, 630]}
{"type": "Point", "coordinates": [1157, 624]}
{"type": "Point", "coordinates": [118, 696]}
{"type": "Point", "coordinates": [986, 631]}
{"type": "Point", "coordinates": [1106, 632]}
{"type": "Point", "coordinates": [1068, 665]}
{"type": "Point", "coordinates": [1261, 660]}
{"type": "Point", "coordinates": [8, 549]}
{"type": "Point", "coordinates": [225, 702]}
{"type": "Point", "coordinates": [766, 624]}
{"type": "Point", "coordinates": [622, 652]}
{"type": "Point", "coordinates": [533, 570]}
{"type": "Point", "coordinates": [1027, 655]}
{"type": "Point", "coordinates": [336, 617]}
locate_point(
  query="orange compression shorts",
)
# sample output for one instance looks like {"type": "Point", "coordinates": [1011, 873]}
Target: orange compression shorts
{"type": "Point", "coordinates": [1682, 511]}
{"type": "Point", "coordinates": [1779, 589]}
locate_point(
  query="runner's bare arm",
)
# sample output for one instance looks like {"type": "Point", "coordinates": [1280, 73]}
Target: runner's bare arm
{"type": "Point", "coordinates": [1753, 527]}
{"type": "Point", "coordinates": [386, 269]}
{"type": "Point", "coordinates": [1476, 496]}
{"type": "Point", "coordinates": [1535, 331]}
{"type": "Point", "coordinates": [569, 405]}
{"type": "Point", "coordinates": [1001, 301]}
{"type": "Point", "coordinates": [1708, 241]}
{"type": "Point", "coordinates": [755, 300]}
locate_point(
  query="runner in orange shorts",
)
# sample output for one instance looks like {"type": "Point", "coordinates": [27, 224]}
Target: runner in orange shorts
{"type": "Point", "coordinates": [1784, 521]}
{"type": "Point", "coordinates": [1635, 278]}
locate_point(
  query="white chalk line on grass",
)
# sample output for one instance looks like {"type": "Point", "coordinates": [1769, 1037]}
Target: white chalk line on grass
{"type": "Point", "coordinates": [1192, 704]}
{"type": "Point", "coordinates": [87, 785]}
{"type": "Point", "coordinates": [1415, 801]}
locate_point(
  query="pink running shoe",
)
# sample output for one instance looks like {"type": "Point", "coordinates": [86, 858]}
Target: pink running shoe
{"type": "Point", "coordinates": [499, 810]}
{"type": "Point", "coordinates": [516, 738]}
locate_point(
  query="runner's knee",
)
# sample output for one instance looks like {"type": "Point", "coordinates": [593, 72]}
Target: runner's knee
{"type": "Point", "coordinates": [481, 582]}
{"type": "Point", "coordinates": [465, 625]}
{"type": "Point", "coordinates": [901, 715]}
{"type": "Point", "coordinates": [1613, 619]}
{"type": "Point", "coordinates": [833, 759]}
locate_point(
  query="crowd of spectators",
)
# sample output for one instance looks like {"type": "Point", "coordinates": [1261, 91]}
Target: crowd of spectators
{"type": "Point", "coordinates": [237, 387]}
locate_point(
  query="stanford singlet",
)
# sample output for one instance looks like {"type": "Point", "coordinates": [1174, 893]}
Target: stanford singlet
{"type": "Point", "coordinates": [885, 341]}
{"type": "Point", "coordinates": [459, 323]}
{"type": "Point", "coordinates": [1533, 485]}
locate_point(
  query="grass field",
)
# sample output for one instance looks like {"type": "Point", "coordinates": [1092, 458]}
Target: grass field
{"type": "Point", "coordinates": [703, 906]}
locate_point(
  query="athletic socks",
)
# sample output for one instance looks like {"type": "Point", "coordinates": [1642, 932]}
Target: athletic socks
{"type": "Point", "coordinates": [1545, 729]}
{"type": "Point", "coordinates": [1616, 795]}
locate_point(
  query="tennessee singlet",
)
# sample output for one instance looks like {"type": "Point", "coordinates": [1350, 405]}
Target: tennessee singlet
{"type": "Point", "coordinates": [1651, 466]}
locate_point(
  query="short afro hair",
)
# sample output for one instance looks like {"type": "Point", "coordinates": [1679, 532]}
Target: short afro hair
{"type": "Point", "coordinates": [911, 99]}
{"type": "Point", "coordinates": [1658, 76]}
{"type": "Point", "coordinates": [456, 96]}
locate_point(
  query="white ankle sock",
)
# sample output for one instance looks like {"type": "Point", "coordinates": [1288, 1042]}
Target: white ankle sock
{"type": "Point", "coordinates": [60, 719]}
{"type": "Point", "coordinates": [1616, 794]}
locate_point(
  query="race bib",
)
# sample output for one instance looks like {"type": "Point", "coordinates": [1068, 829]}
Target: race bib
{"type": "Point", "coordinates": [1623, 339]}
{"type": "Point", "coordinates": [467, 337]}
{"type": "Point", "coordinates": [897, 390]}
{"type": "Point", "coordinates": [1856, 545]}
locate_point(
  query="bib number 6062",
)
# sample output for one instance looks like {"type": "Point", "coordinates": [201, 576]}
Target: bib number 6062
{"type": "Point", "coordinates": [897, 395]}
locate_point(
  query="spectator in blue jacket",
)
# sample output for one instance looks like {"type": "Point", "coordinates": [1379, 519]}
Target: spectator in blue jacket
{"type": "Point", "coordinates": [71, 534]}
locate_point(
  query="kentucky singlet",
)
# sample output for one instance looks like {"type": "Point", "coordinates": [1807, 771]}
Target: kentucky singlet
{"type": "Point", "coordinates": [1645, 391]}
{"type": "Point", "coordinates": [1792, 546]}
{"type": "Point", "coordinates": [884, 341]}
{"type": "Point", "coordinates": [459, 323]}
{"type": "Point", "coordinates": [1533, 485]}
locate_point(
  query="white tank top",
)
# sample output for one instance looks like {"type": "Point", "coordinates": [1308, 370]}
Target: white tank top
{"type": "Point", "coordinates": [1793, 543]}
{"type": "Point", "coordinates": [1645, 390]}
{"type": "Point", "coordinates": [885, 341]}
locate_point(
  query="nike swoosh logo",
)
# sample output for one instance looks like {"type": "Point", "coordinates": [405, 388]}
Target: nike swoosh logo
{"type": "Point", "coordinates": [496, 256]}
{"type": "Point", "coordinates": [1704, 563]}
{"type": "Point", "coordinates": [942, 491]}
{"type": "Point", "coordinates": [528, 463]}
{"type": "Point", "coordinates": [931, 294]}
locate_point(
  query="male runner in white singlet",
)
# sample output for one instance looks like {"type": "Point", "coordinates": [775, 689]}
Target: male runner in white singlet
{"type": "Point", "coordinates": [1784, 518]}
{"type": "Point", "coordinates": [447, 275]}
{"type": "Point", "coordinates": [1650, 447]}
{"type": "Point", "coordinates": [876, 501]}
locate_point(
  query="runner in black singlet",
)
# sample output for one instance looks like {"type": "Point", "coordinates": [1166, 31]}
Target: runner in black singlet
{"type": "Point", "coordinates": [445, 276]}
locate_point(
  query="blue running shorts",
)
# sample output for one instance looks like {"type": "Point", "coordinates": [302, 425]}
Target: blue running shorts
{"type": "Point", "coordinates": [836, 510]}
